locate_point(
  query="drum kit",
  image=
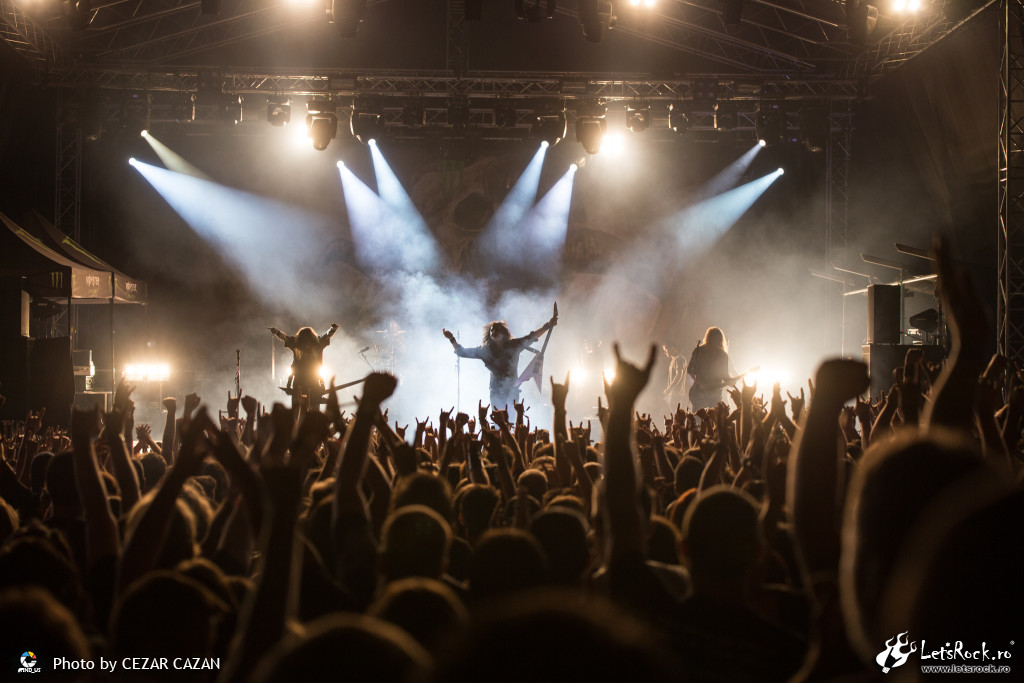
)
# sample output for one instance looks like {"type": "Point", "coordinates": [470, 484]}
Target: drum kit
{"type": "Point", "coordinates": [386, 355]}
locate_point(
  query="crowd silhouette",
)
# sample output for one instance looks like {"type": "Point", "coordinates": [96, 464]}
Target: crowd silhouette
{"type": "Point", "coordinates": [760, 540]}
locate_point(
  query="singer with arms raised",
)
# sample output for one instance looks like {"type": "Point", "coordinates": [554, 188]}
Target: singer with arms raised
{"type": "Point", "coordinates": [499, 352]}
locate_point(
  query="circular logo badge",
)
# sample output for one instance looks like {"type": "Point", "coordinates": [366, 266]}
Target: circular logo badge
{"type": "Point", "coordinates": [28, 659]}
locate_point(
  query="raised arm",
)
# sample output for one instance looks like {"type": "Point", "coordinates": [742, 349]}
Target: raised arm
{"type": "Point", "coordinates": [350, 518]}
{"type": "Point", "coordinates": [955, 389]}
{"type": "Point", "coordinates": [101, 539]}
{"type": "Point", "coordinates": [625, 527]}
{"type": "Point", "coordinates": [325, 338]}
{"type": "Point", "coordinates": [143, 546]}
{"type": "Point", "coordinates": [267, 609]}
{"type": "Point", "coordinates": [124, 472]}
{"type": "Point", "coordinates": [814, 476]}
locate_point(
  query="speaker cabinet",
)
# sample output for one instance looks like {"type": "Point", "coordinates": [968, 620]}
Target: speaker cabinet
{"type": "Point", "coordinates": [884, 314]}
{"type": "Point", "coordinates": [52, 379]}
{"type": "Point", "coordinates": [14, 352]}
{"type": "Point", "coordinates": [882, 359]}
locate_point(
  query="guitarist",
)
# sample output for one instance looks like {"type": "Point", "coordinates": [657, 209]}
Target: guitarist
{"type": "Point", "coordinates": [500, 351]}
{"type": "Point", "coordinates": [709, 368]}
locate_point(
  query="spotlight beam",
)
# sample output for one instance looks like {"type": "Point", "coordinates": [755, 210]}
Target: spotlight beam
{"type": "Point", "coordinates": [274, 246]}
{"type": "Point", "coordinates": [383, 239]}
{"type": "Point", "coordinates": [700, 226]}
{"type": "Point", "coordinates": [414, 232]}
{"type": "Point", "coordinates": [171, 159]}
{"type": "Point", "coordinates": [728, 176]}
{"type": "Point", "coordinates": [500, 237]}
{"type": "Point", "coordinates": [541, 235]}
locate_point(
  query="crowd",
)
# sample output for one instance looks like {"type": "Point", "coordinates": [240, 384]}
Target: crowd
{"type": "Point", "coordinates": [823, 538]}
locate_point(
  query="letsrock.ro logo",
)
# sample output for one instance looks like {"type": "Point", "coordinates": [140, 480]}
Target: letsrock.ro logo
{"type": "Point", "coordinates": [28, 663]}
{"type": "Point", "coordinates": [894, 655]}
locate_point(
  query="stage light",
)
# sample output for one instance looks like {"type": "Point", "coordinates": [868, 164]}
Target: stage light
{"type": "Point", "coordinates": [183, 108]}
{"type": "Point", "coordinates": [144, 133]}
{"type": "Point", "coordinates": [573, 167]}
{"type": "Point", "coordinates": [596, 17]}
{"type": "Point", "coordinates": [346, 15]}
{"type": "Point", "coordinates": [341, 164]}
{"type": "Point", "coordinates": [147, 372]}
{"type": "Point", "coordinates": [535, 11]}
{"type": "Point", "coordinates": [899, 5]}
{"type": "Point", "coordinates": [322, 129]}
{"type": "Point", "coordinates": [590, 132]}
{"type": "Point", "coordinates": [638, 119]}
{"type": "Point", "coordinates": [131, 161]}
{"type": "Point", "coordinates": [366, 126]}
{"type": "Point", "coordinates": [279, 111]}
{"type": "Point", "coordinates": [725, 116]}
{"type": "Point", "coordinates": [324, 373]}
{"type": "Point", "coordinates": [678, 118]}
{"type": "Point", "coordinates": [768, 376]}
{"type": "Point", "coordinates": [762, 143]}
{"type": "Point", "coordinates": [79, 14]}
{"type": "Point", "coordinates": [550, 127]}
{"type": "Point", "coordinates": [321, 122]}
{"type": "Point", "coordinates": [613, 145]}
{"type": "Point", "coordinates": [861, 19]}
{"type": "Point", "coordinates": [231, 109]}
{"type": "Point", "coordinates": [780, 170]}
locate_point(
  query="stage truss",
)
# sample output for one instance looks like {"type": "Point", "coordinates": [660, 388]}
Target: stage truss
{"type": "Point", "coordinates": [1010, 309]}
{"type": "Point", "coordinates": [794, 52]}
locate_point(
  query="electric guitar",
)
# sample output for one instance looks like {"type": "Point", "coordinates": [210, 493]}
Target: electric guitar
{"type": "Point", "coordinates": [535, 369]}
{"type": "Point", "coordinates": [706, 395]}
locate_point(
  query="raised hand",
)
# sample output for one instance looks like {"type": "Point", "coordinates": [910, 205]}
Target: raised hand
{"type": "Point", "coordinates": [520, 409]}
{"type": "Point", "coordinates": [249, 404]}
{"type": "Point", "coordinates": [443, 418]}
{"type": "Point", "coordinates": [500, 417]}
{"type": "Point", "coordinates": [378, 387]}
{"type": "Point", "coordinates": [191, 403]}
{"type": "Point", "coordinates": [123, 396]}
{"type": "Point", "coordinates": [233, 402]}
{"type": "Point", "coordinates": [796, 405]}
{"type": "Point", "coordinates": [449, 336]}
{"type": "Point", "coordinates": [630, 379]}
{"type": "Point", "coordinates": [559, 392]}
{"type": "Point", "coordinates": [143, 432]}
{"type": "Point", "coordinates": [481, 411]}
{"type": "Point", "coordinates": [113, 424]}
{"type": "Point", "coordinates": [840, 379]}
{"type": "Point", "coordinates": [34, 421]}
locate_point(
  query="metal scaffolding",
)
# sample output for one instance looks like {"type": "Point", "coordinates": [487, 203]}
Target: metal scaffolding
{"type": "Point", "coordinates": [68, 165]}
{"type": "Point", "coordinates": [456, 59]}
{"type": "Point", "coordinates": [1010, 305]}
{"type": "Point", "coordinates": [837, 171]}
